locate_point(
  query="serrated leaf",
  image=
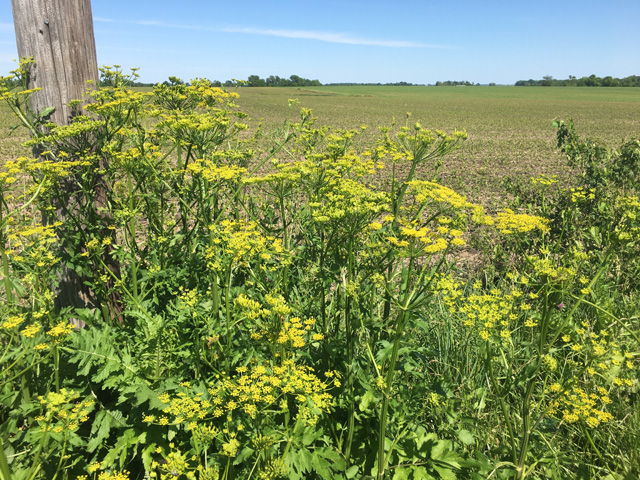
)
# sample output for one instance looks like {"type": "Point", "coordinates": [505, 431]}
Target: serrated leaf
{"type": "Point", "coordinates": [438, 449]}
{"type": "Point", "coordinates": [320, 465]}
{"type": "Point", "coordinates": [420, 473]}
{"type": "Point", "coordinates": [401, 473]}
{"type": "Point", "coordinates": [147, 456]}
{"type": "Point", "coordinates": [445, 473]}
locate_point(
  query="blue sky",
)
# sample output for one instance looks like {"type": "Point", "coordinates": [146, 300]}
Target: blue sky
{"type": "Point", "coordinates": [362, 41]}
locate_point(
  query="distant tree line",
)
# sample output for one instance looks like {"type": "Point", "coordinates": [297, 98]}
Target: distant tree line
{"type": "Point", "coordinates": [454, 83]}
{"type": "Point", "coordinates": [354, 84]}
{"type": "Point", "coordinates": [252, 81]}
{"type": "Point", "coordinates": [590, 81]}
{"type": "Point", "coordinates": [276, 81]}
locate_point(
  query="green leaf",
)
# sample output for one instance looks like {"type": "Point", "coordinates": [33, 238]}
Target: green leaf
{"type": "Point", "coordinates": [465, 437]}
{"type": "Point", "coordinates": [366, 399]}
{"type": "Point", "coordinates": [244, 454]}
{"type": "Point", "coordinates": [401, 474]}
{"type": "Point", "coordinates": [438, 449]}
{"type": "Point", "coordinates": [420, 473]}
{"type": "Point", "coordinates": [352, 472]}
{"type": "Point", "coordinates": [47, 111]}
{"type": "Point", "coordinates": [445, 473]}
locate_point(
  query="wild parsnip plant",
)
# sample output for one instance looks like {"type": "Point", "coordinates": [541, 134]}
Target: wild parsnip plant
{"type": "Point", "coordinates": [286, 305]}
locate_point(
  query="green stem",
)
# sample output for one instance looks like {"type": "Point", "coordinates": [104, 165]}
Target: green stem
{"type": "Point", "coordinates": [350, 355]}
{"type": "Point", "coordinates": [216, 301]}
{"type": "Point", "coordinates": [503, 406]}
{"type": "Point", "coordinates": [5, 472]}
{"type": "Point", "coordinates": [56, 367]}
{"type": "Point", "coordinates": [593, 445]}
{"type": "Point", "coordinates": [227, 295]}
{"type": "Point", "coordinates": [526, 429]}
{"type": "Point", "coordinates": [384, 411]}
{"type": "Point", "coordinates": [285, 233]}
{"type": "Point", "coordinates": [35, 465]}
{"type": "Point", "coordinates": [132, 235]}
{"type": "Point", "coordinates": [62, 455]}
{"type": "Point", "coordinates": [225, 476]}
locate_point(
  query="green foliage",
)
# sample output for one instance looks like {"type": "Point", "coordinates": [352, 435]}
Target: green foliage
{"type": "Point", "coordinates": [289, 305]}
{"type": "Point", "coordinates": [590, 81]}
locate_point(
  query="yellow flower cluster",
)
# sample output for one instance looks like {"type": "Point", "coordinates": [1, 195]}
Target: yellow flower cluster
{"type": "Point", "coordinates": [80, 127]}
{"type": "Point", "coordinates": [435, 199]}
{"type": "Point", "coordinates": [174, 464]}
{"type": "Point", "coordinates": [545, 180]}
{"type": "Point", "coordinates": [600, 356]}
{"type": "Point", "coordinates": [12, 322]}
{"type": "Point", "coordinates": [628, 228]}
{"type": "Point", "coordinates": [492, 315]}
{"type": "Point", "coordinates": [546, 269]}
{"type": "Point", "coordinates": [251, 391]}
{"type": "Point", "coordinates": [288, 332]}
{"type": "Point", "coordinates": [580, 194]}
{"type": "Point", "coordinates": [31, 330]}
{"type": "Point", "coordinates": [54, 167]}
{"type": "Point", "coordinates": [114, 475]}
{"type": "Point", "coordinates": [604, 368]}
{"type": "Point", "coordinates": [425, 191]}
{"type": "Point", "coordinates": [251, 308]}
{"type": "Point", "coordinates": [423, 240]}
{"type": "Point", "coordinates": [273, 470]}
{"type": "Point", "coordinates": [61, 413]}
{"type": "Point", "coordinates": [347, 199]}
{"type": "Point", "coordinates": [32, 246]}
{"type": "Point", "coordinates": [57, 333]}
{"type": "Point", "coordinates": [132, 158]}
{"type": "Point", "coordinates": [509, 222]}
{"type": "Point", "coordinates": [185, 408]}
{"type": "Point", "coordinates": [449, 290]}
{"type": "Point", "coordinates": [60, 331]}
{"type": "Point", "coordinates": [239, 241]}
{"type": "Point", "coordinates": [215, 173]}
{"type": "Point", "coordinates": [262, 386]}
{"type": "Point", "coordinates": [9, 172]}
{"type": "Point", "coordinates": [285, 173]}
{"type": "Point", "coordinates": [576, 404]}
{"type": "Point", "coordinates": [293, 332]}
{"type": "Point", "coordinates": [116, 102]}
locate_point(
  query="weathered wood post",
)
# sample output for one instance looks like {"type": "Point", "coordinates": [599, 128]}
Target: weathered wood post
{"type": "Point", "coordinates": [58, 34]}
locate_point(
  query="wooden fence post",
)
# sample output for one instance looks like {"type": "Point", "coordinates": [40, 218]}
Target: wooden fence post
{"type": "Point", "coordinates": [59, 36]}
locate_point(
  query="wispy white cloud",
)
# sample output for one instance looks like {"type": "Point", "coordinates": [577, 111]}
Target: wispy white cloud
{"type": "Point", "coordinates": [330, 37]}
{"type": "Point", "coordinates": [6, 27]}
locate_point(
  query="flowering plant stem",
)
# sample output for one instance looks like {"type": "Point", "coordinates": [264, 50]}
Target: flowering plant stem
{"type": "Point", "coordinates": [384, 411]}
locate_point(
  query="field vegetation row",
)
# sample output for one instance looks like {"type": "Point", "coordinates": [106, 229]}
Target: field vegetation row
{"type": "Point", "coordinates": [186, 295]}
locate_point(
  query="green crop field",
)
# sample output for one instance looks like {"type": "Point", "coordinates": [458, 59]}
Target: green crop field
{"type": "Point", "coordinates": [510, 133]}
